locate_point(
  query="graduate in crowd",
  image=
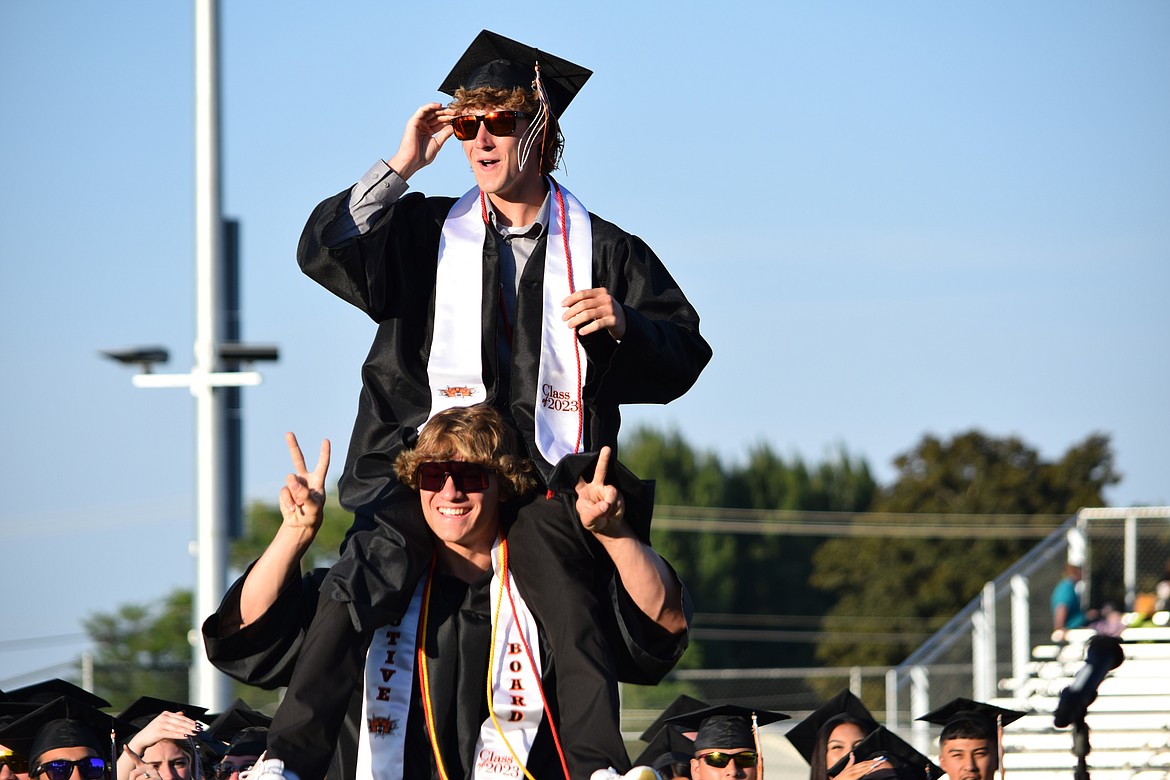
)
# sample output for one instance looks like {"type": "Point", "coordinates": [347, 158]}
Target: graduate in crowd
{"type": "Point", "coordinates": [830, 733]}
{"type": "Point", "coordinates": [886, 756]}
{"type": "Point", "coordinates": [727, 741]}
{"type": "Point", "coordinates": [66, 739]}
{"type": "Point", "coordinates": [970, 746]}
{"type": "Point", "coordinates": [470, 624]}
{"type": "Point", "coordinates": [245, 731]}
{"type": "Point", "coordinates": [164, 743]}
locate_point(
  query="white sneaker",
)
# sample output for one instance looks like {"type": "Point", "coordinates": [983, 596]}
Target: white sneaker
{"type": "Point", "coordinates": [268, 769]}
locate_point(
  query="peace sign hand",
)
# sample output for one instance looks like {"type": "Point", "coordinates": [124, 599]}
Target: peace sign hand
{"type": "Point", "coordinates": [302, 499]}
{"type": "Point", "coordinates": [600, 506]}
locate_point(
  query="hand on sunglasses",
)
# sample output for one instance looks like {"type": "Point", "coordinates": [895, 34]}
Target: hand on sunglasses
{"type": "Point", "coordinates": [426, 131]}
{"type": "Point", "coordinates": [600, 506]}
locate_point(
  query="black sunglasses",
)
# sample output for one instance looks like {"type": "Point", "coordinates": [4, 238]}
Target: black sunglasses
{"type": "Point", "coordinates": [62, 768]}
{"type": "Point", "coordinates": [497, 122]}
{"type": "Point", "coordinates": [468, 477]}
{"type": "Point", "coordinates": [742, 760]}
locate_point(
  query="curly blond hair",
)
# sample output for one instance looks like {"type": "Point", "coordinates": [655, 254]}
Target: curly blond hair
{"type": "Point", "coordinates": [474, 434]}
{"type": "Point", "coordinates": [515, 99]}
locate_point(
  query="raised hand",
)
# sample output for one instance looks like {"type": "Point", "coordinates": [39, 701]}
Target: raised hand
{"type": "Point", "coordinates": [600, 506]}
{"type": "Point", "coordinates": [302, 499]}
{"type": "Point", "coordinates": [426, 132]}
{"type": "Point", "coordinates": [594, 309]}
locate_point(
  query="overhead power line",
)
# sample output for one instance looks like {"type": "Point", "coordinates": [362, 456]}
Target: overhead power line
{"type": "Point", "coordinates": [779, 522]}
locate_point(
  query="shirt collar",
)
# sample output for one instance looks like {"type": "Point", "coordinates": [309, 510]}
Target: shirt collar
{"type": "Point", "coordinates": [534, 230]}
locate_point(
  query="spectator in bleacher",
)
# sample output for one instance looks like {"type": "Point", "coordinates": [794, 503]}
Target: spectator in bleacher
{"type": "Point", "coordinates": [970, 746]}
{"type": "Point", "coordinates": [1067, 611]}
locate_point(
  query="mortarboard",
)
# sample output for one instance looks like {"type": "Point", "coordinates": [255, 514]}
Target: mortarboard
{"type": "Point", "coordinates": [967, 711]}
{"type": "Point", "coordinates": [803, 735]}
{"type": "Point", "coordinates": [726, 725]}
{"type": "Point", "coordinates": [495, 61]}
{"type": "Point", "coordinates": [664, 737]}
{"type": "Point", "coordinates": [968, 719]}
{"type": "Point", "coordinates": [64, 722]}
{"type": "Point", "coordinates": [10, 712]}
{"type": "Point", "coordinates": [243, 727]}
{"type": "Point", "coordinates": [903, 762]}
{"type": "Point", "coordinates": [47, 690]}
{"type": "Point", "coordinates": [682, 705]}
{"type": "Point", "coordinates": [146, 708]}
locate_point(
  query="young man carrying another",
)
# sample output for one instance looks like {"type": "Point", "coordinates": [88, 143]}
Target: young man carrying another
{"type": "Point", "coordinates": [470, 625]}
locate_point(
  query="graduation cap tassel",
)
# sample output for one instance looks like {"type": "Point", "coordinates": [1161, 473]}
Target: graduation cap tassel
{"type": "Point", "coordinates": [999, 741]}
{"type": "Point", "coordinates": [759, 752]}
{"type": "Point", "coordinates": [539, 124]}
{"type": "Point", "coordinates": [195, 757]}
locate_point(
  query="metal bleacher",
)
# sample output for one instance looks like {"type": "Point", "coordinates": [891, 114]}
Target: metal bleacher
{"type": "Point", "coordinates": [1129, 722]}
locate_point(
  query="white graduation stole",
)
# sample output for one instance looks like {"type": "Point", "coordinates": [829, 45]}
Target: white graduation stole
{"type": "Point", "coordinates": [517, 703]}
{"type": "Point", "coordinates": [455, 370]}
{"type": "Point", "coordinates": [389, 681]}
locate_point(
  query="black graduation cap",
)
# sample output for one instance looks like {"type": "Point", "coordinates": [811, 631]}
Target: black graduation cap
{"type": "Point", "coordinates": [803, 735]}
{"type": "Point", "coordinates": [726, 725]}
{"type": "Point", "coordinates": [902, 762]}
{"type": "Point", "coordinates": [64, 722]}
{"type": "Point", "coordinates": [957, 712]}
{"type": "Point", "coordinates": [10, 712]}
{"type": "Point", "coordinates": [638, 494]}
{"type": "Point", "coordinates": [243, 727]}
{"type": "Point", "coordinates": [495, 61]}
{"type": "Point", "coordinates": [147, 708]}
{"type": "Point", "coordinates": [144, 709]}
{"type": "Point", "coordinates": [669, 759]}
{"type": "Point", "coordinates": [47, 690]}
{"type": "Point", "coordinates": [664, 737]}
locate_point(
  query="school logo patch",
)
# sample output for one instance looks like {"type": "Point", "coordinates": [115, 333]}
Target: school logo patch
{"type": "Point", "coordinates": [382, 727]}
{"type": "Point", "coordinates": [456, 392]}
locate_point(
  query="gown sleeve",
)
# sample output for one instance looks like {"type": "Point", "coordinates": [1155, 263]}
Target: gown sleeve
{"type": "Point", "coordinates": [263, 653]}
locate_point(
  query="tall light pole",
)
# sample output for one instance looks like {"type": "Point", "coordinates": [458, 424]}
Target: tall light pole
{"type": "Point", "coordinates": [218, 354]}
{"type": "Point", "coordinates": [209, 687]}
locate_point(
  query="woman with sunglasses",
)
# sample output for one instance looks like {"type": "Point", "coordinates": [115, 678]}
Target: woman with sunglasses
{"type": "Point", "coordinates": [470, 623]}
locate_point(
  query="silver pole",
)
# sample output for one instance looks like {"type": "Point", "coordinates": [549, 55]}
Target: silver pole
{"type": "Point", "coordinates": [208, 687]}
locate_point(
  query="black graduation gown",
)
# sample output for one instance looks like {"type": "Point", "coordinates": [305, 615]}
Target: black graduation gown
{"type": "Point", "coordinates": [389, 273]}
{"type": "Point", "coordinates": [265, 653]}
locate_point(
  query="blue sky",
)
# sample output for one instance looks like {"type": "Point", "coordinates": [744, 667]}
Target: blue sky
{"type": "Point", "coordinates": [894, 218]}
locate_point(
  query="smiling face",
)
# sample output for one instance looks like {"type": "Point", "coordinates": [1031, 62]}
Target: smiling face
{"type": "Point", "coordinates": [842, 740]}
{"type": "Point", "coordinates": [463, 521]}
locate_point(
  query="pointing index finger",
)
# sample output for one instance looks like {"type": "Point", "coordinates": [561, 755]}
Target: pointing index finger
{"type": "Point", "coordinates": [602, 466]}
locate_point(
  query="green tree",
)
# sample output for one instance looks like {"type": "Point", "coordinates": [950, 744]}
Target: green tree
{"type": "Point", "coordinates": [917, 584]}
{"type": "Point", "coordinates": [143, 648]}
{"type": "Point", "coordinates": [714, 564]}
